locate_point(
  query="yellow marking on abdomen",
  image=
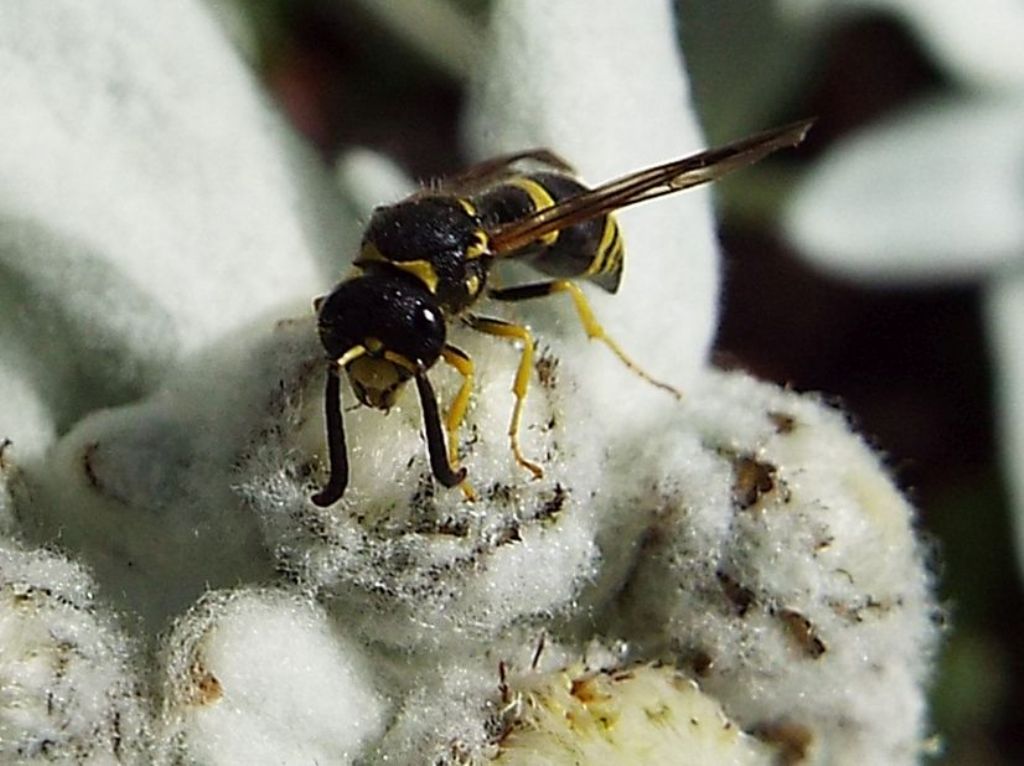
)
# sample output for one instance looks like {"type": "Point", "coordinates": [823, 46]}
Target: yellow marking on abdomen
{"type": "Point", "coordinates": [600, 261]}
{"type": "Point", "coordinates": [541, 199]}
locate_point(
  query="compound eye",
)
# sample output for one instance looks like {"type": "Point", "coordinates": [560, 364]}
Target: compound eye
{"type": "Point", "coordinates": [428, 321]}
{"type": "Point", "coordinates": [428, 334]}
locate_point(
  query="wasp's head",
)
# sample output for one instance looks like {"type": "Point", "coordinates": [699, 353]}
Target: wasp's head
{"type": "Point", "coordinates": [384, 328]}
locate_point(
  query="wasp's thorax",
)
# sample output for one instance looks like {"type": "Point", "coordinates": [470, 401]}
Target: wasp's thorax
{"type": "Point", "coordinates": [385, 326]}
{"type": "Point", "coordinates": [437, 240]}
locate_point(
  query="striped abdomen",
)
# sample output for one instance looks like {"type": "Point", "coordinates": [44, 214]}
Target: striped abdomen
{"type": "Point", "coordinates": [590, 249]}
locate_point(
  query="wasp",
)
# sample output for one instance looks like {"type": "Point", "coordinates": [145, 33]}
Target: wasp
{"type": "Point", "coordinates": [424, 264]}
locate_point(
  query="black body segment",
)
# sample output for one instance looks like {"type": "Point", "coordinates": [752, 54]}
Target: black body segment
{"type": "Point", "coordinates": [437, 241]}
{"type": "Point", "coordinates": [590, 249]}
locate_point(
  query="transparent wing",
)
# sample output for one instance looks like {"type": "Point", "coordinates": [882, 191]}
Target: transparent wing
{"type": "Point", "coordinates": [486, 173]}
{"type": "Point", "coordinates": [644, 185]}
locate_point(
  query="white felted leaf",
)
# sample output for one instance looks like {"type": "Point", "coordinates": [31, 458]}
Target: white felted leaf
{"type": "Point", "coordinates": [753, 529]}
{"type": "Point", "coordinates": [68, 691]}
{"type": "Point", "coordinates": [206, 481]}
{"type": "Point", "coordinates": [146, 492]}
{"type": "Point", "coordinates": [264, 677]}
{"type": "Point", "coordinates": [933, 195]}
{"type": "Point", "coordinates": [603, 85]}
{"type": "Point", "coordinates": [780, 565]}
{"type": "Point", "coordinates": [25, 418]}
{"type": "Point", "coordinates": [1004, 304]}
{"type": "Point", "coordinates": [150, 200]}
{"type": "Point", "coordinates": [410, 562]}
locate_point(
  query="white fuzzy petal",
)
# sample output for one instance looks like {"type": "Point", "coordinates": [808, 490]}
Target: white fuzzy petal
{"type": "Point", "coordinates": [68, 693]}
{"type": "Point", "coordinates": [933, 195]}
{"type": "Point", "coordinates": [145, 492]}
{"type": "Point", "coordinates": [780, 564]}
{"type": "Point", "coordinates": [150, 200]}
{"type": "Point", "coordinates": [642, 716]}
{"type": "Point", "coordinates": [264, 677]}
{"type": "Point", "coordinates": [604, 86]}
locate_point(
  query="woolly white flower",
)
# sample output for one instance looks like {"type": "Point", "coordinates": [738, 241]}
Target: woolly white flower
{"type": "Point", "coordinates": [250, 674]}
{"type": "Point", "coordinates": [636, 715]}
{"type": "Point", "coordinates": [68, 690]}
{"type": "Point", "coordinates": [186, 233]}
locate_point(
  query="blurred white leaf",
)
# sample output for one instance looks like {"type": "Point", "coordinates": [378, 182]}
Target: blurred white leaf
{"type": "Point", "coordinates": [1005, 314]}
{"type": "Point", "coordinates": [150, 201]}
{"type": "Point", "coordinates": [938, 193]}
{"type": "Point", "coordinates": [934, 194]}
{"type": "Point", "coordinates": [604, 86]}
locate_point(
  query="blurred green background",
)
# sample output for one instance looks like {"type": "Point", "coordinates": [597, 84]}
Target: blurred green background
{"type": "Point", "coordinates": [909, 366]}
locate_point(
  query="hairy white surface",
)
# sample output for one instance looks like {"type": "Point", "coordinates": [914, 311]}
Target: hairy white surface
{"type": "Point", "coordinates": [645, 716]}
{"type": "Point", "coordinates": [756, 542]}
{"type": "Point", "coordinates": [264, 677]}
{"type": "Point", "coordinates": [143, 177]}
{"type": "Point", "coordinates": [172, 216]}
{"type": "Point", "coordinates": [145, 492]}
{"type": "Point", "coordinates": [782, 566]}
{"type": "Point", "coordinates": [612, 99]}
{"type": "Point", "coordinates": [68, 690]}
{"type": "Point", "coordinates": [410, 561]}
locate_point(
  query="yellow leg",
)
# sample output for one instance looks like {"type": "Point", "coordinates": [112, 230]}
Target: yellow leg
{"type": "Point", "coordinates": [594, 330]}
{"type": "Point", "coordinates": [460, 360]}
{"type": "Point", "coordinates": [590, 324]}
{"type": "Point", "coordinates": [521, 384]}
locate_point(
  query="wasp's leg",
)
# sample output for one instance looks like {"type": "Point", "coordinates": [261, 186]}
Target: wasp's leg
{"type": "Point", "coordinates": [439, 464]}
{"type": "Point", "coordinates": [505, 329]}
{"type": "Point", "coordinates": [590, 324]}
{"type": "Point", "coordinates": [336, 450]}
{"type": "Point", "coordinates": [460, 360]}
